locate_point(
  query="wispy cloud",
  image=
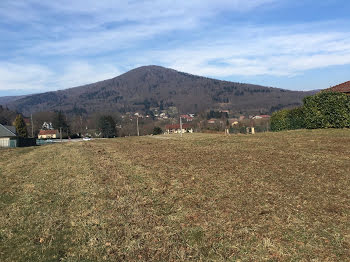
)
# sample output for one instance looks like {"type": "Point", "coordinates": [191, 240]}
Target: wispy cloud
{"type": "Point", "coordinates": [91, 27]}
{"type": "Point", "coordinates": [127, 36]}
{"type": "Point", "coordinates": [14, 76]}
{"type": "Point", "coordinates": [114, 10]}
{"type": "Point", "coordinates": [51, 45]}
{"type": "Point", "coordinates": [40, 78]}
{"type": "Point", "coordinates": [259, 51]}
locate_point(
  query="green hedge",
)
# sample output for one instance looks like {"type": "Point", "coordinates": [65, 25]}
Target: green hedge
{"type": "Point", "coordinates": [296, 117]}
{"type": "Point", "coordinates": [279, 120]}
{"type": "Point", "coordinates": [288, 119]}
{"type": "Point", "coordinates": [323, 110]}
{"type": "Point", "coordinates": [327, 110]}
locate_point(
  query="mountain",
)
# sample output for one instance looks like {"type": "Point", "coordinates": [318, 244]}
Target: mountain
{"type": "Point", "coordinates": [7, 99]}
{"type": "Point", "coordinates": [149, 87]}
{"type": "Point", "coordinates": [6, 116]}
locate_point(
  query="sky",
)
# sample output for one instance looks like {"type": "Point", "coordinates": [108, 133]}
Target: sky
{"type": "Point", "coordinates": [52, 45]}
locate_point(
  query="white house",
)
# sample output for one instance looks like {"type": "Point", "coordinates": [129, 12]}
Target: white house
{"type": "Point", "coordinates": [175, 129]}
{"type": "Point", "coordinates": [46, 134]}
{"type": "Point", "coordinates": [8, 136]}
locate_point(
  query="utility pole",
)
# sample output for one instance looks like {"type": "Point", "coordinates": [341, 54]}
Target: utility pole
{"type": "Point", "coordinates": [81, 125]}
{"type": "Point", "coordinates": [137, 126]}
{"type": "Point", "coordinates": [180, 126]}
{"type": "Point", "coordinates": [31, 120]}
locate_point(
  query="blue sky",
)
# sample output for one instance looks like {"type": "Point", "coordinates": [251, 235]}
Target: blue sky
{"type": "Point", "coordinates": [51, 45]}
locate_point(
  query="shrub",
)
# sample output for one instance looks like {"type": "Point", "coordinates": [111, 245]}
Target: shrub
{"type": "Point", "coordinates": [157, 130]}
{"type": "Point", "coordinates": [296, 118]}
{"type": "Point", "coordinates": [288, 119]}
{"type": "Point", "coordinates": [279, 120]}
{"type": "Point", "coordinates": [327, 110]}
{"type": "Point", "coordinates": [323, 110]}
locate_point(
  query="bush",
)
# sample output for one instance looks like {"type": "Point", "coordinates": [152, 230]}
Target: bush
{"type": "Point", "coordinates": [296, 118]}
{"type": "Point", "coordinates": [323, 110]}
{"type": "Point", "coordinates": [327, 110]}
{"type": "Point", "coordinates": [157, 130]}
{"type": "Point", "coordinates": [279, 120]}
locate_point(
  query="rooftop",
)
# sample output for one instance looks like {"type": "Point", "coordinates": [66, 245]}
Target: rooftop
{"type": "Point", "coordinates": [344, 87]}
{"type": "Point", "coordinates": [7, 131]}
{"type": "Point", "coordinates": [177, 126]}
{"type": "Point", "coordinates": [48, 132]}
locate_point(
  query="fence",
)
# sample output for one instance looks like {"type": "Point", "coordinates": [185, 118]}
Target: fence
{"type": "Point", "coordinates": [40, 142]}
{"type": "Point", "coordinates": [25, 141]}
{"type": "Point", "coordinates": [17, 142]}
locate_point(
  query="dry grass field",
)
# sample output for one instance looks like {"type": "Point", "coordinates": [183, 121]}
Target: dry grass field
{"type": "Point", "coordinates": [206, 197]}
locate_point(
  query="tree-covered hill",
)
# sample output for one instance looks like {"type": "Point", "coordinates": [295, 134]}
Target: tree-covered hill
{"type": "Point", "coordinates": [144, 88]}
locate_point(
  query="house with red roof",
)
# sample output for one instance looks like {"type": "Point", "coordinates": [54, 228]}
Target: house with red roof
{"type": "Point", "coordinates": [187, 118]}
{"type": "Point", "coordinates": [175, 129]}
{"type": "Point", "coordinates": [342, 88]}
{"type": "Point", "coordinates": [48, 134]}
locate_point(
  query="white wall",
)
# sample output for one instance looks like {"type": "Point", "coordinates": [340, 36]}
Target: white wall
{"type": "Point", "coordinates": [4, 142]}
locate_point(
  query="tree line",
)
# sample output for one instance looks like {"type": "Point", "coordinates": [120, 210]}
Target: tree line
{"type": "Point", "coordinates": [105, 124]}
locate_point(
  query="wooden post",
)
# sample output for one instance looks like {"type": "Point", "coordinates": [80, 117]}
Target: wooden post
{"type": "Point", "coordinates": [137, 126]}
{"type": "Point", "coordinates": [180, 126]}
{"type": "Point", "coordinates": [81, 125]}
{"type": "Point", "coordinates": [31, 120]}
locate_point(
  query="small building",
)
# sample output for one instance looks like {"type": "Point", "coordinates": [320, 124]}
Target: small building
{"type": "Point", "coordinates": [138, 115]}
{"type": "Point", "coordinates": [342, 88]}
{"type": "Point", "coordinates": [187, 118]}
{"type": "Point", "coordinates": [48, 134]}
{"type": "Point", "coordinates": [175, 129]}
{"type": "Point", "coordinates": [212, 121]}
{"type": "Point", "coordinates": [47, 126]}
{"type": "Point", "coordinates": [8, 136]}
{"type": "Point", "coordinates": [233, 121]}
{"type": "Point", "coordinates": [261, 117]}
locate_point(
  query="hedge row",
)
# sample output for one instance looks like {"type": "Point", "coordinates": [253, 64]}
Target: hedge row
{"type": "Point", "coordinates": [288, 119]}
{"type": "Point", "coordinates": [323, 110]}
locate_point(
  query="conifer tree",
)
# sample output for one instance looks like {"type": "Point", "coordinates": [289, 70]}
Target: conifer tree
{"type": "Point", "coordinates": [106, 125]}
{"type": "Point", "coordinates": [59, 121]}
{"type": "Point", "coordinates": [21, 127]}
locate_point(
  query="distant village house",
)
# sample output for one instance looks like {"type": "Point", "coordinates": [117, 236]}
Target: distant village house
{"type": "Point", "coordinates": [233, 121]}
{"type": "Point", "coordinates": [175, 129]}
{"type": "Point", "coordinates": [47, 126]}
{"type": "Point", "coordinates": [187, 118]}
{"type": "Point", "coordinates": [261, 117]}
{"type": "Point", "coordinates": [48, 134]}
